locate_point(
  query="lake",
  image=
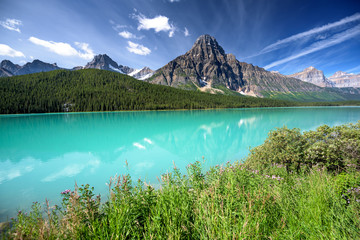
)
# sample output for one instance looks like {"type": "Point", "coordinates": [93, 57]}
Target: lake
{"type": "Point", "coordinates": [44, 154]}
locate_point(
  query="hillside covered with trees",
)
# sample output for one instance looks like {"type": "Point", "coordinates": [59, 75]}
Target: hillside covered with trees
{"type": "Point", "coordinates": [99, 90]}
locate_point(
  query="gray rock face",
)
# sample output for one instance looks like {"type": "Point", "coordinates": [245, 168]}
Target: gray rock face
{"type": "Point", "coordinates": [5, 73]}
{"type": "Point", "coordinates": [9, 66]}
{"type": "Point", "coordinates": [206, 64]}
{"type": "Point", "coordinates": [103, 61]}
{"type": "Point", "coordinates": [141, 74]}
{"type": "Point", "coordinates": [10, 69]}
{"type": "Point", "coordinates": [35, 67]}
{"type": "Point", "coordinates": [343, 79]}
{"type": "Point", "coordinates": [314, 76]}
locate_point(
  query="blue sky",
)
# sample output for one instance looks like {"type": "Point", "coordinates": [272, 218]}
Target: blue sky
{"type": "Point", "coordinates": [280, 35]}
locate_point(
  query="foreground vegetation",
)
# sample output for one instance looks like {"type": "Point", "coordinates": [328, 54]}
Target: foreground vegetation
{"type": "Point", "coordinates": [294, 186]}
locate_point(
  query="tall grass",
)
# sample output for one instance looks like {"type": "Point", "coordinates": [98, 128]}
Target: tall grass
{"type": "Point", "coordinates": [226, 202]}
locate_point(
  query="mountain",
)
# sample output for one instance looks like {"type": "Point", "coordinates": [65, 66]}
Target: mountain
{"type": "Point", "coordinates": [9, 69]}
{"type": "Point", "coordinates": [35, 67]}
{"type": "Point", "coordinates": [9, 66]}
{"type": "Point", "coordinates": [103, 61]}
{"type": "Point", "coordinates": [343, 79]}
{"type": "Point", "coordinates": [98, 90]}
{"type": "Point", "coordinates": [207, 67]}
{"type": "Point", "coordinates": [314, 76]}
{"type": "Point", "coordinates": [142, 73]}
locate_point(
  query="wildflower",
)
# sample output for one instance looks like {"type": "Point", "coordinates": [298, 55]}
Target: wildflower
{"type": "Point", "coordinates": [66, 191]}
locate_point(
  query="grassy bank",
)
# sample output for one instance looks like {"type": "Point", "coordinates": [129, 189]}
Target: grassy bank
{"type": "Point", "coordinates": [294, 186]}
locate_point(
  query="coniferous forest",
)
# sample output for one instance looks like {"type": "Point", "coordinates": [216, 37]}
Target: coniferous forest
{"type": "Point", "coordinates": [100, 90]}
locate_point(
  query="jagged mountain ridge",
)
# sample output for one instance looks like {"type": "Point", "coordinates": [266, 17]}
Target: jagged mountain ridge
{"type": "Point", "coordinates": [314, 76]}
{"type": "Point", "coordinates": [35, 66]}
{"type": "Point", "coordinates": [101, 61]}
{"type": "Point", "coordinates": [206, 66]}
{"type": "Point", "coordinates": [343, 79]}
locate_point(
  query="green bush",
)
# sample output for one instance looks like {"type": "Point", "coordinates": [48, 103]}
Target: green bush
{"type": "Point", "coordinates": [335, 148]}
{"type": "Point", "coordinates": [235, 201]}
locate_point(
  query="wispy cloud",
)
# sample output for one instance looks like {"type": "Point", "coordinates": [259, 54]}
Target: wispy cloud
{"type": "Point", "coordinates": [172, 1]}
{"type": "Point", "coordinates": [335, 39]}
{"type": "Point", "coordinates": [127, 35]}
{"type": "Point", "coordinates": [6, 50]}
{"type": "Point", "coordinates": [65, 49]}
{"type": "Point", "coordinates": [158, 23]}
{"type": "Point", "coordinates": [138, 48]}
{"type": "Point", "coordinates": [11, 24]}
{"type": "Point", "coordinates": [186, 32]}
{"type": "Point", "coordinates": [284, 42]}
{"type": "Point", "coordinates": [353, 70]}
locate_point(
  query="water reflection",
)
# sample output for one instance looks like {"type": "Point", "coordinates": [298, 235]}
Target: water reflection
{"type": "Point", "coordinates": [41, 155]}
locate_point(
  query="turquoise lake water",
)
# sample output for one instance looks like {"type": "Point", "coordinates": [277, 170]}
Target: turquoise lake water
{"type": "Point", "coordinates": [44, 154]}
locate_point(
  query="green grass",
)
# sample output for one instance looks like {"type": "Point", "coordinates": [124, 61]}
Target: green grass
{"type": "Point", "coordinates": [233, 201]}
{"type": "Point", "coordinates": [306, 96]}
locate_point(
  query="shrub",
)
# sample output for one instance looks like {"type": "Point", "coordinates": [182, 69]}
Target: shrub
{"type": "Point", "coordinates": [337, 149]}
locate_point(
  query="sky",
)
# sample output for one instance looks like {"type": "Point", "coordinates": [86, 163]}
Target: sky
{"type": "Point", "coordinates": [278, 35]}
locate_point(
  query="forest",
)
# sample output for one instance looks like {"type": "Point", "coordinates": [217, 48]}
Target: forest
{"type": "Point", "coordinates": [100, 90]}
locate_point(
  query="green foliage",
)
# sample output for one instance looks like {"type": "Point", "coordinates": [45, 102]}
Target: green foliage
{"type": "Point", "coordinates": [235, 201]}
{"type": "Point", "coordinates": [100, 90]}
{"type": "Point", "coordinates": [337, 149]}
{"type": "Point", "coordinates": [224, 203]}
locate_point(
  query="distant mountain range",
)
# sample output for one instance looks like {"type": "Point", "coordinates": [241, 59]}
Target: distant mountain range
{"type": "Point", "coordinates": [206, 67]}
{"type": "Point", "coordinates": [339, 79]}
{"type": "Point", "coordinates": [101, 61]}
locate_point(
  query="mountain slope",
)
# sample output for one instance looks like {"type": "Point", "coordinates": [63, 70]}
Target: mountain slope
{"type": "Point", "coordinates": [9, 66]}
{"type": "Point", "coordinates": [207, 67]}
{"type": "Point", "coordinates": [9, 69]}
{"type": "Point", "coordinates": [314, 76]}
{"type": "Point", "coordinates": [99, 90]}
{"type": "Point", "coordinates": [343, 79]}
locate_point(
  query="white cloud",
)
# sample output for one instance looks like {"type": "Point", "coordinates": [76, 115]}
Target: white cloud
{"type": "Point", "coordinates": [87, 53]}
{"type": "Point", "coordinates": [138, 48]}
{"type": "Point", "coordinates": [5, 50]}
{"type": "Point", "coordinates": [158, 23]}
{"type": "Point", "coordinates": [186, 32]}
{"type": "Point", "coordinates": [65, 49]}
{"type": "Point", "coordinates": [336, 39]}
{"type": "Point", "coordinates": [311, 32]}
{"type": "Point", "coordinates": [127, 35]}
{"type": "Point", "coordinates": [11, 24]}
{"type": "Point", "coordinates": [174, 1]}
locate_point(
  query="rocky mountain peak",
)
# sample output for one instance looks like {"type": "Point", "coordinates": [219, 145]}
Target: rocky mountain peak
{"type": "Point", "coordinates": [339, 74]}
{"type": "Point", "coordinates": [102, 61]}
{"type": "Point", "coordinates": [311, 68]}
{"type": "Point", "coordinates": [9, 66]}
{"type": "Point", "coordinates": [314, 76]}
{"type": "Point", "coordinates": [206, 48]}
{"type": "Point", "coordinates": [344, 79]}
